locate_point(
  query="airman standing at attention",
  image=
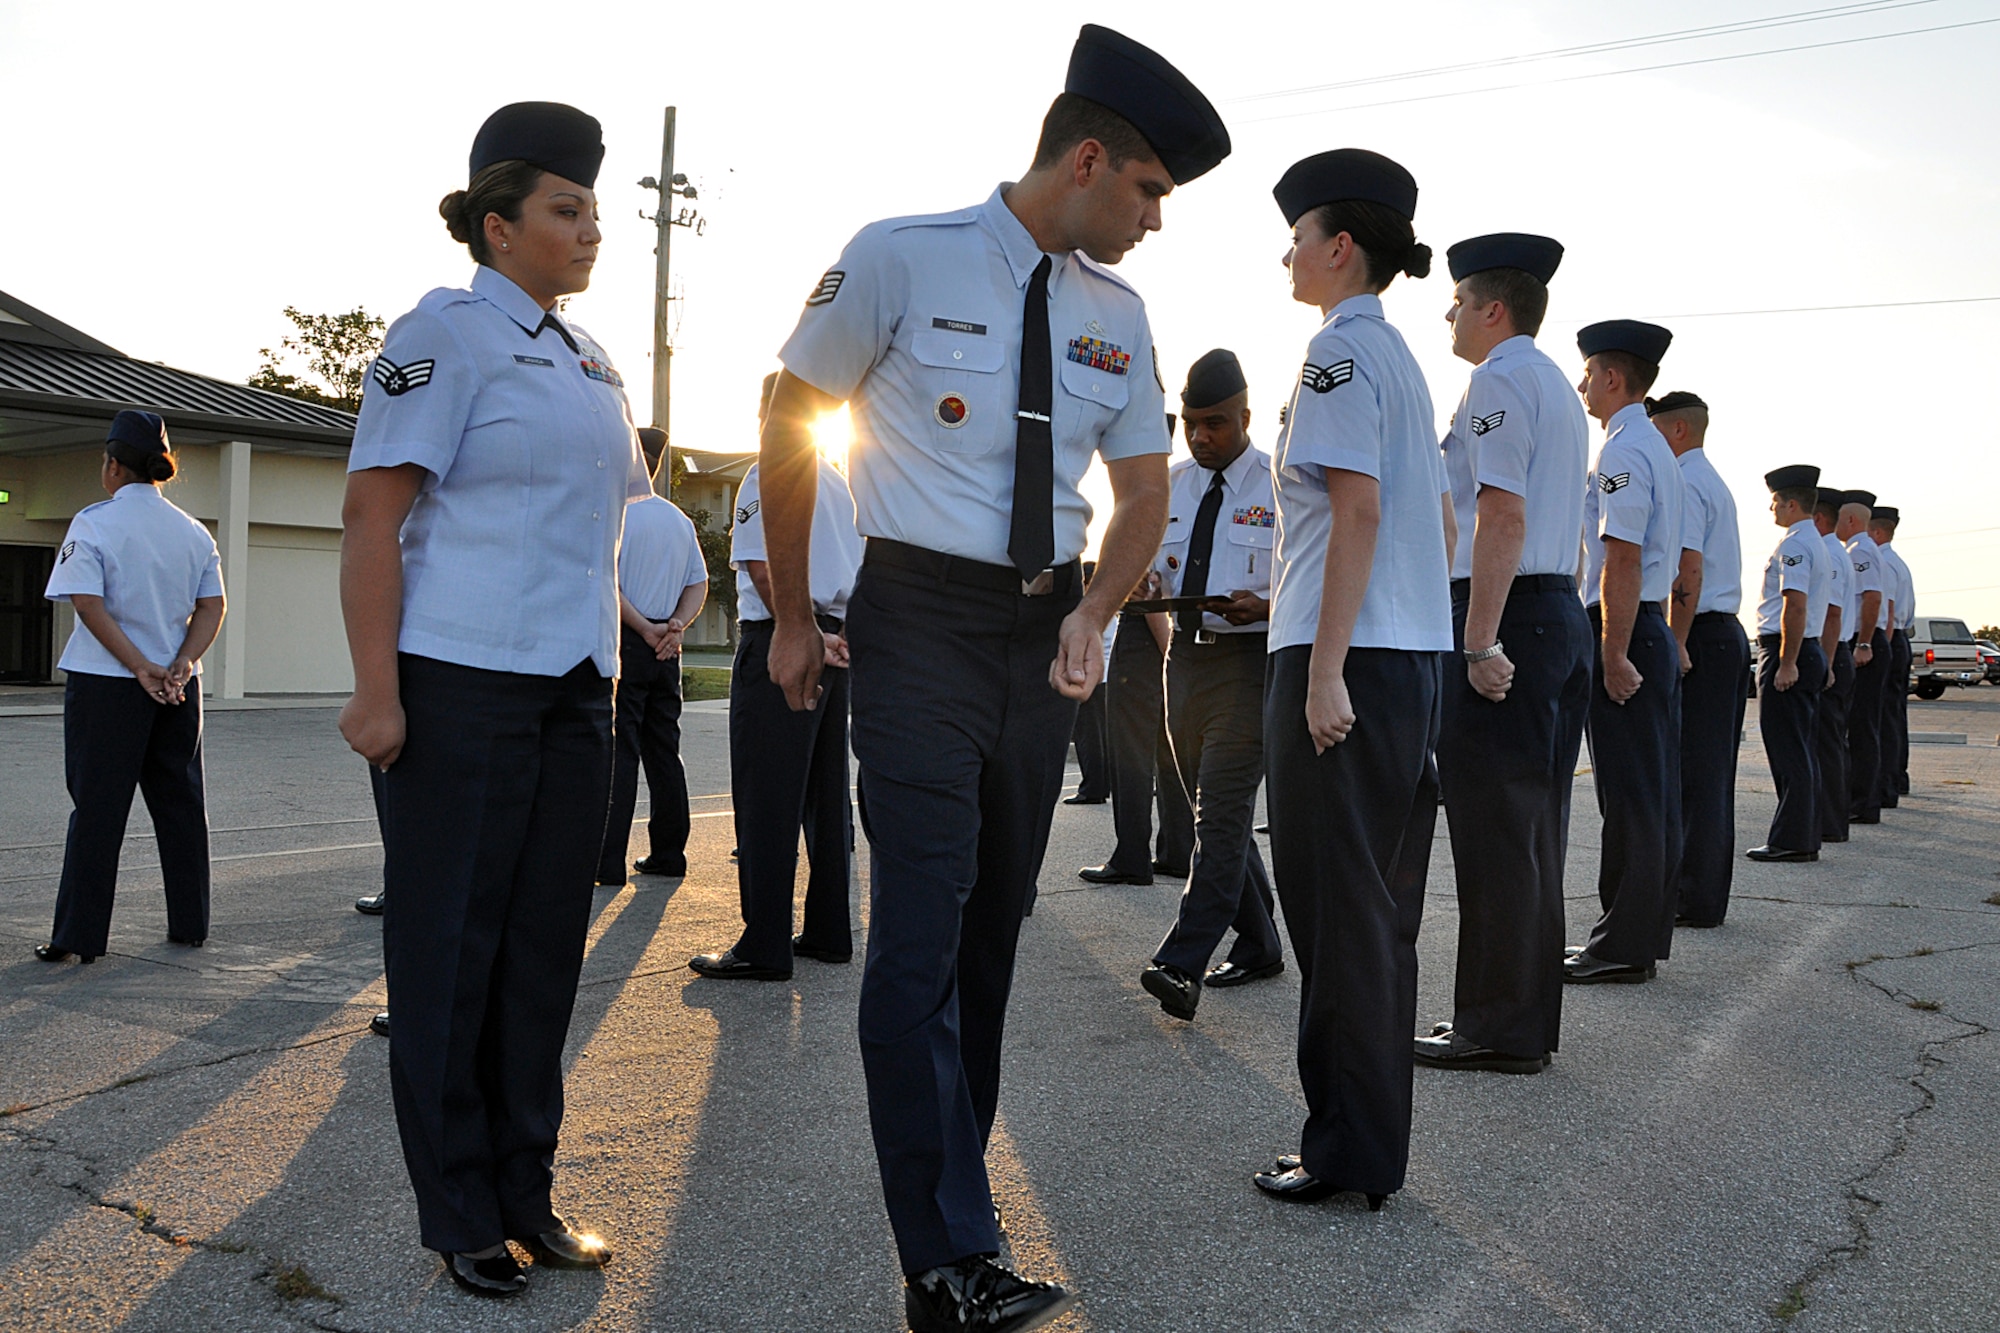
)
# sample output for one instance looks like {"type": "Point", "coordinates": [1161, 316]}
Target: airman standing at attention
{"type": "Point", "coordinates": [1873, 661]}
{"type": "Point", "coordinates": [1830, 728]}
{"type": "Point", "coordinates": [1792, 669]}
{"type": "Point", "coordinates": [1900, 616]}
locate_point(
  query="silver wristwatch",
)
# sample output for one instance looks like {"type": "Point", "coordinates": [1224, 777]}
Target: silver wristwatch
{"type": "Point", "coordinates": [1485, 654]}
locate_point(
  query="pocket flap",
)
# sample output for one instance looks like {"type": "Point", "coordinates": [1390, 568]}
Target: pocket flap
{"type": "Point", "coordinates": [1095, 386]}
{"type": "Point", "coordinates": [949, 350]}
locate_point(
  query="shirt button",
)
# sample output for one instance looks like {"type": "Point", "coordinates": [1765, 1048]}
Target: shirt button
{"type": "Point", "coordinates": [1093, 388]}
{"type": "Point", "coordinates": [593, 514]}
{"type": "Point", "coordinates": [591, 572]}
{"type": "Point", "coordinates": [957, 355]}
{"type": "Point", "coordinates": [600, 462]}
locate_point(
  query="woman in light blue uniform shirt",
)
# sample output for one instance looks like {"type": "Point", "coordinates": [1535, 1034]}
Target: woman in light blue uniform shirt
{"type": "Point", "coordinates": [1360, 619]}
{"type": "Point", "coordinates": [491, 467]}
{"type": "Point", "coordinates": [146, 584]}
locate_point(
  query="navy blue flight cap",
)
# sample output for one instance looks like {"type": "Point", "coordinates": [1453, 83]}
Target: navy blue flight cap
{"type": "Point", "coordinates": [557, 138]}
{"type": "Point", "coordinates": [1887, 514]}
{"type": "Point", "coordinates": [1114, 71]}
{"type": "Point", "coordinates": [1215, 378]}
{"type": "Point", "coordinates": [1342, 174]}
{"type": "Point", "coordinates": [1648, 342]}
{"type": "Point", "coordinates": [144, 431]}
{"type": "Point", "coordinates": [1536, 256]}
{"type": "Point", "coordinates": [1866, 498]}
{"type": "Point", "coordinates": [1678, 400]}
{"type": "Point", "coordinates": [1832, 498]}
{"type": "Point", "coordinates": [1799, 476]}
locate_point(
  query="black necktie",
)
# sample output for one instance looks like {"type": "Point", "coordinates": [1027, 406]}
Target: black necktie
{"type": "Point", "coordinates": [549, 321]}
{"type": "Point", "coordinates": [1194, 579]}
{"type": "Point", "coordinates": [1031, 535]}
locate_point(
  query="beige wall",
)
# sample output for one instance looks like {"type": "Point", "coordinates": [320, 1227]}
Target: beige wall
{"type": "Point", "coordinates": [713, 627]}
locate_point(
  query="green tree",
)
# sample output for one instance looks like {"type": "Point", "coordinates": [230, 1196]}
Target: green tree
{"type": "Point", "coordinates": [1990, 633]}
{"type": "Point", "coordinates": [336, 350]}
{"type": "Point", "coordinates": [715, 554]}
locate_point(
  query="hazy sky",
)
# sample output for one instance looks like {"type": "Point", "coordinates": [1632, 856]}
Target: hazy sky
{"type": "Point", "coordinates": [178, 174]}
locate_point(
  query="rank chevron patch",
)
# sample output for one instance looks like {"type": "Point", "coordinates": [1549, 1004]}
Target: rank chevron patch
{"type": "Point", "coordinates": [1610, 485]}
{"type": "Point", "coordinates": [398, 380]}
{"type": "Point", "coordinates": [828, 288]}
{"type": "Point", "coordinates": [1480, 425]}
{"type": "Point", "coordinates": [1325, 379]}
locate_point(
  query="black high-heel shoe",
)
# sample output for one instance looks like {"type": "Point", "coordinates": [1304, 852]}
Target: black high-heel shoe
{"type": "Point", "coordinates": [48, 953]}
{"type": "Point", "coordinates": [1288, 1180]}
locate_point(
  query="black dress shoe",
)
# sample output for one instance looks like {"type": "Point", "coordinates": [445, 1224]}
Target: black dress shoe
{"type": "Point", "coordinates": [726, 966]}
{"type": "Point", "coordinates": [48, 953]}
{"type": "Point", "coordinates": [187, 944]}
{"type": "Point", "coordinates": [1106, 875]}
{"type": "Point", "coordinates": [379, 1025]}
{"type": "Point", "coordinates": [566, 1249]}
{"type": "Point", "coordinates": [612, 883]}
{"type": "Point", "coordinates": [1171, 872]}
{"type": "Point", "coordinates": [1451, 1049]}
{"type": "Point", "coordinates": [660, 865]}
{"type": "Point", "coordinates": [1235, 974]}
{"type": "Point", "coordinates": [372, 905]}
{"type": "Point", "coordinates": [980, 1293]}
{"type": "Point", "coordinates": [1833, 837]}
{"type": "Point", "coordinates": [1769, 853]}
{"type": "Point", "coordinates": [498, 1276]}
{"type": "Point", "coordinates": [1177, 991]}
{"type": "Point", "coordinates": [1587, 969]}
{"type": "Point", "coordinates": [1689, 923]}
{"type": "Point", "coordinates": [1081, 799]}
{"type": "Point", "coordinates": [1294, 1184]}
{"type": "Point", "coordinates": [805, 950]}
{"type": "Point", "coordinates": [1867, 819]}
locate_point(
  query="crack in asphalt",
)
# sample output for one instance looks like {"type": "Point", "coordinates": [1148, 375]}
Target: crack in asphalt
{"type": "Point", "coordinates": [1861, 1205]}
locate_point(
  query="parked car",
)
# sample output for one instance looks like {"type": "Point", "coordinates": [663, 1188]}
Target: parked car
{"type": "Point", "coordinates": [1989, 658]}
{"type": "Point", "coordinates": [1942, 652]}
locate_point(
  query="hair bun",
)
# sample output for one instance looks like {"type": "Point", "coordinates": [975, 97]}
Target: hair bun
{"type": "Point", "coordinates": [160, 467]}
{"type": "Point", "coordinates": [1418, 265]}
{"type": "Point", "coordinates": [452, 209]}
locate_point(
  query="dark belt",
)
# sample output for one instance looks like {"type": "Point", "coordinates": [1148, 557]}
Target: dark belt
{"type": "Point", "coordinates": [1596, 611]}
{"type": "Point", "coordinates": [1523, 585]}
{"type": "Point", "coordinates": [1210, 638]}
{"type": "Point", "coordinates": [1714, 617]}
{"type": "Point", "coordinates": [831, 624]}
{"type": "Point", "coordinates": [972, 573]}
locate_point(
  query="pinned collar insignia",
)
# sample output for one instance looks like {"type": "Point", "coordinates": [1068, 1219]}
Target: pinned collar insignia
{"type": "Point", "coordinates": [398, 380]}
{"type": "Point", "coordinates": [951, 411]}
{"type": "Point", "coordinates": [68, 550]}
{"type": "Point", "coordinates": [1101, 355]}
{"type": "Point", "coordinates": [828, 288]}
{"type": "Point", "coordinates": [745, 513]}
{"type": "Point", "coordinates": [1480, 425]}
{"type": "Point", "coordinates": [602, 372]}
{"type": "Point", "coordinates": [1610, 485]}
{"type": "Point", "coordinates": [1255, 516]}
{"type": "Point", "coordinates": [1325, 379]}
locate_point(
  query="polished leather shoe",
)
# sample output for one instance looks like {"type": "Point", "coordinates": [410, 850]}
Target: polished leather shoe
{"type": "Point", "coordinates": [498, 1276]}
{"type": "Point", "coordinates": [1768, 853]}
{"type": "Point", "coordinates": [1177, 991]}
{"type": "Point", "coordinates": [1106, 875]}
{"type": "Point", "coordinates": [659, 865]}
{"type": "Point", "coordinates": [1587, 969]}
{"type": "Point", "coordinates": [1171, 872]}
{"type": "Point", "coordinates": [726, 966]}
{"type": "Point", "coordinates": [1235, 974]}
{"type": "Point", "coordinates": [813, 951]}
{"type": "Point", "coordinates": [48, 953]}
{"type": "Point", "coordinates": [1689, 923]}
{"type": "Point", "coordinates": [186, 944]}
{"type": "Point", "coordinates": [1294, 1184]}
{"type": "Point", "coordinates": [566, 1249]}
{"type": "Point", "coordinates": [379, 1025]}
{"type": "Point", "coordinates": [1867, 819]}
{"type": "Point", "coordinates": [980, 1293]}
{"type": "Point", "coordinates": [372, 905]}
{"type": "Point", "coordinates": [1833, 837]}
{"type": "Point", "coordinates": [1451, 1049]}
{"type": "Point", "coordinates": [1081, 799]}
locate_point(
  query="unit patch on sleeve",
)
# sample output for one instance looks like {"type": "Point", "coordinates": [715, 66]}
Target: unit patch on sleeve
{"type": "Point", "coordinates": [602, 372]}
{"type": "Point", "coordinates": [1325, 379]}
{"type": "Point", "coordinates": [1480, 425]}
{"type": "Point", "coordinates": [398, 380]}
{"type": "Point", "coordinates": [1255, 516]}
{"type": "Point", "coordinates": [828, 288]}
{"type": "Point", "coordinates": [1100, 355]}
{"type": "Point", "coordinates": [1611, 485]}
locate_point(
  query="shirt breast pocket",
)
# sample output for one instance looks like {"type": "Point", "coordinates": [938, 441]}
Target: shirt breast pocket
{"type": "Point", "coordinates": [967, 393]}
{"type": "Point", "coordinates": [1090, 398]}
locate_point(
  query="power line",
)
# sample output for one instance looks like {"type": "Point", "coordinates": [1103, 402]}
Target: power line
{"type": "Point", "coordinates": [1818, 309]}
{"type": "Point", "coordinates": [1599, 48]}
{"type": "Point", "coordinates": [1613, 73]}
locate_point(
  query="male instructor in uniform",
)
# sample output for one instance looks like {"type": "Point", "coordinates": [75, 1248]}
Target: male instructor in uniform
{"type": "Point", "coordinates": [987, 355]}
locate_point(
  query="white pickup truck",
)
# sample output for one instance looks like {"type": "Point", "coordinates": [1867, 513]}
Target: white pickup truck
{"type": "Point", "coordinates": [1942, 652]}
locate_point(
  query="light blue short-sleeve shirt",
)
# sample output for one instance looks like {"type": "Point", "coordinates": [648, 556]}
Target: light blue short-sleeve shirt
{"type": "Point", "coordinates": [1799, 563]}
{"type": "Point", "coordinates": [1520, 428]}
{"type": "Point", "coordinates": [1246, 532]}
{"type": "Point", "coordinates": [510, 553]}
{"type": "Point", "coordinates": [149, 561]}
{"type": "Point", "coordinates": [1904, 591]}
{"type": "Point", "coordinates": [918, 328]}
{"type": "Point", "coordinates": [1841, 592]}
{"type": "Point", "coordinates": [659, 557]}
{"type": "Point", "coordinates": [1870, 574]}
{"type": "Point", "coordinates": [1361, 405]}
{"type": "Point", "coordinates": [1635, 495]}
{"type": "Point", "coordinates": [836, 546]}
{"type": "Point", "coordinates": [1710, 521]}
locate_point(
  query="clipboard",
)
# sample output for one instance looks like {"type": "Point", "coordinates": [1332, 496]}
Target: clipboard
{"type": "Point", "coordinates": [1148, 606]}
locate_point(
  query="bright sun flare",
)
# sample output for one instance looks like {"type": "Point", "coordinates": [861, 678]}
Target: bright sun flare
{"type": "Point", "coordinates": [832, 434]}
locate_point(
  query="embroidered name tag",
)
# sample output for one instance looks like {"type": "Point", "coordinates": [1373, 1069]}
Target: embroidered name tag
{"type": "Point", "coordinates": [1255, 516]}
{"type": "Point", "coordinates": [959, 326]}
{"type": "Point", "coordinates": [1100, 355]}
{"type": "Point", "coordinates": [533, 360]}
{"type": "Point", "coordinates": [601, 372]}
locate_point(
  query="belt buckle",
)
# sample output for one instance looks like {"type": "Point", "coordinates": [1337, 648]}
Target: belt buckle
{"type": "Point", "coordinates": [1205, 636]}
{"type": "Point", "coordinates": [1041, 585]}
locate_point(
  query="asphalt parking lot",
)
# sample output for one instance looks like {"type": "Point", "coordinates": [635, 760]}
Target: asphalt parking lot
{"type": "Point", "coordinates": [1789, 1129]}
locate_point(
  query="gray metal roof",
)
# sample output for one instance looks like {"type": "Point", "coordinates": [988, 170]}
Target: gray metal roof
{"type": "Point", "coordinates": [59, 388]}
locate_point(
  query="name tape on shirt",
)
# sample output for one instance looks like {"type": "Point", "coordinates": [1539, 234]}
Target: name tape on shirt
{"type": "Point", "coordinates": [602, 372]}
{"type": "Point", "coordinates": [954, 325]}
{"type": "Point", "coordinates": [533, 360]}
{"type": "Point", "coordinates": [1325, 379]}
{"type": "Point", "coordinates": [828, 288]}
{"type": "Point", "coordinates": [1255, 516]}
{"type": "Point", "coordinates": [398, 380]}
{"type": "Point", "coordinates": [1611, 485]}
{"type": "Point", "coordinates": [1480, 425]}
{"type": "Point", "coordinates": [1100, 355]}
{"type": "Point", "coordinates": [744, 513]}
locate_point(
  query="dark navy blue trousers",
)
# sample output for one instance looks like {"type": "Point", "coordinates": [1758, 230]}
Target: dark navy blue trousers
{"type": "Point", "coordinates": [1788, 720]}
{"type": "Point", "coordinates": [1714, 695]}
{"type": "Point", "coordinates": [787, 771]}
{"type": "Point", "coordinates": [1144, 779]}
{"type": "Point", "coordinates": [960, 740]}
{"type": "Point", "coordinates": [1507, 770]}
{"type": "Point", "coordinates": [1351, 836]}
{"type": "Point", "coordinates": [647, 732]}
{"type": "Point", "coordinates": [1896, 722]}
{"type": "Point", "coordinates": [1635, 756]}
{"type": "Point", "coordinates": [1830, 746]}
{"type": "Point", "coordinates": [1872, 687]}
{"type": "Point", "coordinates": [491, 822]}
{"type": "Point", "coordinates": [118, 739]}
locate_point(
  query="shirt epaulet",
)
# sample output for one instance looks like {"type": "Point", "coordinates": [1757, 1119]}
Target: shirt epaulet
{"type": "Point", "coordinates": [1180, 467]}
{"type": "Point", "coordinates": [960, 217]}
{"type": "Point", "coordinates": [1096, 269]}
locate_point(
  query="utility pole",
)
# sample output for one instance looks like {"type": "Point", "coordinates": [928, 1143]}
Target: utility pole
{"type": "Point", "coordinates": [669, 186]}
